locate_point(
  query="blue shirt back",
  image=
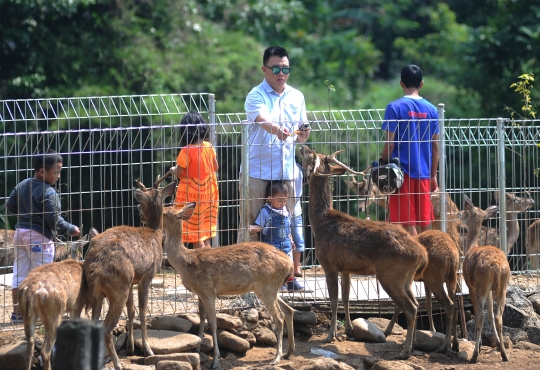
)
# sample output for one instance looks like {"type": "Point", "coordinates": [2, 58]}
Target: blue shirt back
{"type": "Point", "coordinates": [413, 122]}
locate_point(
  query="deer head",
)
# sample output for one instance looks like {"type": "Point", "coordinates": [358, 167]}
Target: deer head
{"type": "Point", "coordinates": [151, 201]}
{"type": "Point", "coordinates": [320, 164]}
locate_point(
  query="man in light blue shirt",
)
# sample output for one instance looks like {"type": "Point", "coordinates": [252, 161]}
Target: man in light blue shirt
{"type": "Point", "coordinates": [277, 113]}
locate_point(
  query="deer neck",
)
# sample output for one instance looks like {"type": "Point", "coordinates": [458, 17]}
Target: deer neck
{"type": "Point", "coordinates": [155, 223]}
{"type": "Point", "coordinates": [176, 252]}
{"type": "Point", "coordinates": [471, 240]}
{"type": "Point", "coordinates": [320, 198]}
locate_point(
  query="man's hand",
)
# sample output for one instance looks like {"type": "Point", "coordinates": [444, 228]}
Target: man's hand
{"type": "Point", "coordinates": [76, 232]}
{"type": "Point", "coordinates": [434, 184]}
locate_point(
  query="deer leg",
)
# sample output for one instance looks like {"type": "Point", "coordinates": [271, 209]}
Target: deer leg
{"type": "Point", "coordinates": [96, 307]}
{"type": "Point", "coordinates": [448, 307]}
{"type": "Point", "coordinates": [143, 303]}
{"type": "Point", "coordinates": [269, 299]}
{"type": "Point", "coordinates": [29, 328]}
{"type": "Point", "coordinates": [202, 319]}
{"type": "Point", "coordinates": [209, 304]}
{"type": "Point", "coordinates": [332, 285]}
{"type": "Point", "coordinates": [288, 312]}
{"type": "Point", "coordinates": [479, 313]}
{"type": "Point", "coordinates": [48, 343]}
{"type": "Point", "coordinates": [116, 304]}
{"type": "Point", "coordinates": [451, 286]}
{"type": "Point", "coordinates": [501, 301]}
{"type": "Point", "coordinates": [392, 322]}
{"type": "Point", "coordinates": [130, 345]}
{"type": "Point", "coordinates": [428, 308]}
{"type": "Point", "coordinates": [345, 290]}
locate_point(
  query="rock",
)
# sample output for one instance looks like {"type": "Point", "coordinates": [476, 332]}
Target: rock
{"type": "Point", "coordinates": [466, 349]}
{"type": "Point", "coordinates": [249, 336]}
{"type": "Point", "coordinates": [366, 331]}
{"type": "Point", "coordinates": [514, 317]}
{"type": "Point", "coordinates": [173, 365]}
{"type": "Point", "coordinates": [195, 322]}
{"type": "Point", "coordinates": [517, 298]}
{"type": "Point", "coordinates": [490, 337]}
{"type": "Point", "coordinates": [207, 344]}
{"type": "Point", "coordinates": [157, 283]}
{"type": "Point", "coordinates": [137, 367]}
{"type": "Point", "coordinates": [252, 315]}
{"type": "Point", "coordinates": [264, 315]}
{"type": "Point", "coordinates": [325, 364]}
{"type": "Point", "coordinates": [391, 365]}
{"type": "Point", "coordinates": [265, 336]}
{"type": "Point", "coordinates": [13, 356]}
{"type": "Point", "coordinates": [232, 342]}
{"type": "Point", "coordinates": [533, 332]}
{"type": "Point", "coordinates": [305, 318]}
{"type": "Point", "coordinates": [527, 346]}
{"type": "Point", "coordinates": [191, 358]}
{"type": "Point", "coordinates": [429, 341]}
{"type": "Point", "coordinates": [172, 323]}
{"type": "Point", "coordinates": [299, 329]}
{"type": "Point", "coordinates": [382, 323]}
{"type": "Point", "coordinates": [165, 341]}
{"type": "Point", "coordinates": [120, 341]}
{"type": "Point", "coordinates": [535, 301]}
{"type": "Point", "coordinates": [301, 306]}
{"type": "Point", "coordinates": [228, 322]}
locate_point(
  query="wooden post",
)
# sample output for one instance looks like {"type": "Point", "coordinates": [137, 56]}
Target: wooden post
{"type": "Point", "coordinates": [463, 323]}
{"type": "Point", "coordinates": [80, 345]}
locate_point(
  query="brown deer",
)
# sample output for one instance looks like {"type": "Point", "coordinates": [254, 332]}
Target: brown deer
{"type": "Point", "coordinates": [236, 269]}
{"type": "Point", "coordinates": [514, 206]}
{"type": "Point", "coordinates": [453, 223]}
{"type": "Point", "coordinates": [7, 255]}
{"type": "Point", "coordinates": [442, 268]}
{"type": "Point", "coordinates": [123, 256]}
{"type": "Point", "coordinates": [532, 244]}
{"type": "Point", "coordinates": [347, 245]}
{"type": "Point", "coordinates": [48, 292]}
{"type": "Point", "coordinates": [486, 273]}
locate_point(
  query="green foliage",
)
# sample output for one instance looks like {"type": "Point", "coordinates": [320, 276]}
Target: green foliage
{"type": "Point", "coordinates": [523, 88]}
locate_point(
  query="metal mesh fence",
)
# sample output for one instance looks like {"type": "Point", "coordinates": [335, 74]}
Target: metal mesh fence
{"type": "Point", "coordinates": [109, 142]}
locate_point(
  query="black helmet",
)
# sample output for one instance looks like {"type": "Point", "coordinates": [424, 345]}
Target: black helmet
{"type": "Point", "coordinates": [388, 177]}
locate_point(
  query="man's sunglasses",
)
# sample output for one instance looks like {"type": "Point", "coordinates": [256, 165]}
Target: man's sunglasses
{"type": "Point", "coordinates": [275, 70]}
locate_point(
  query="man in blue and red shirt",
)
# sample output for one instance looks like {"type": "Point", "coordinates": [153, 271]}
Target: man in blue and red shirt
{"type": "Point", "coordinates": [412, 133]}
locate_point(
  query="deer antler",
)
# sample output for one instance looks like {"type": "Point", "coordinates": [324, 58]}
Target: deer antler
{"type": "Point", "coordinates": [140, 185]}
{"type": "Point", "coordinates": [160, 179]}
{"type": "Point", "coordinates": [332, 158]}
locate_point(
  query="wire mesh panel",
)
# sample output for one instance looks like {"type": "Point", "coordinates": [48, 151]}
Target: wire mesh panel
{"type": "Point", "coordinates": [109, 142]}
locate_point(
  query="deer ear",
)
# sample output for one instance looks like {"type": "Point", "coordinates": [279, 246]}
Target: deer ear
{"type": "Point", "coordinates": [491, 211]}
{"type": "Point", "coordinates": [353, 185]}
{"type": "Point", "coordinates": [168, 190]}
{"type": "Point", "coordinates": [139, 195]}
{"type": "Point", "coordinates": [187, 211]}
{"type": "Point", "coordinates": [467, 204]}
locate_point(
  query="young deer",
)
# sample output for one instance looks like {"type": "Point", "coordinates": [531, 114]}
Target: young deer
{"type": "Point", "coordinates": [532, 244]}
{"type": "Point", "coordinates": [453, 224]}
{"type": "Point", "coordinates": [442, 267]}
{"type": "Point", "coordinates": [514, 206]}
{"type": "Point", "coordinates": [235, 269]}
{"type": "Point", "coordinates": [48, 292]}
{"type": "Point", "coordinates": [486, 272]}
{"type": "Point", "coordinates": [347, 245]}
{"type": "Point", "coordinates": [123, 256]}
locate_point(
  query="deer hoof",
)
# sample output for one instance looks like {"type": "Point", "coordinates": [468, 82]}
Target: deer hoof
{"type": "Point", "coordinates": [329, 339]}
{"type": "Point", "coordinates": [214, 364]}
{"type": "Point", "coordinates": [403, 355]}
{"type": "Point", "coordinates": [474, 358]}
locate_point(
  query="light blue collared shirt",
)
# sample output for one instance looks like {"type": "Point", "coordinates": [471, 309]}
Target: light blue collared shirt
{"type": "Point", "coordinates": [269, 157]}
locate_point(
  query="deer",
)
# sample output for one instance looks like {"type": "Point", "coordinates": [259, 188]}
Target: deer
{"type": "Point", "coordinates": [231, 270]}
{"type": "Point", "coordinates": [453, 223]}
{"type": "Point", "coordinates": [532, 244]}
{"type": "Point", "coordinates": [48, 292]}
{"type": "Point", "coordinates": [441, 269]}
{"type": "Point", "coordinates": [7, 256]}
{"type": "Point", "coordinates": [486, 272]}
{"type": "Point", "coordinates": [346, 245]}
{"type": "Point", "coordinates": [123, 256]}
{"type": "Point", "coordinates": [514, 206]}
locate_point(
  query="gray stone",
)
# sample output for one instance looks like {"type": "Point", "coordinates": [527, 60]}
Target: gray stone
{"type": "Point", "coordinates": [157, 283]}
{"type": "Point", "coordinates": [527, 346]}
{"type": "Point", "coordinates": [466, 350]}
{"type": "Point", "coordinates": [429, 341]}
{"type": "Point", "coordinates": [13, 356]}
{"type": "Point", "coordinates": [305, 318]}
{"type": "Point", "coordinates": [535, 301]}
{"type": "Point", "coordinates": [173, 365]}
{"type": "Point", "coordinates": [248, 335]}
{"type": "Point", "coordinates": [195, 322]}
{"type": "Point", "coordinates": [366, 331]}
{"type": "Point", "coordinates": [382, 323]}
{"type": "Point", "coordinates": [391, 365]}
{"type": "Point", "coordinates": [514, 317]}
{"type": "Point", "coordinates": [517, 298]}
{"type": "Point", "coordinates": [252, 315]}
{"type": "Point", "coordinates": [325, 364]}
{"type": "Point", "coordinates": [120, 341]}
{"type": "Point", "coordinates": [265, 336]}
{"type": "Point", "coordinates": [137, 367]}
{"type": "Point", "coordinates": [301, 306]}
{"type": "Point", "coordinates": [228, 322]}
{"type": "Point", "coordinates": [192, 358]}
{"type": "Point", "coordinates": [170, 323]}
{"type": "Point", "coordinates": [165, 341]}
{"type": "Point", "coordinates": [232, 342]}
{"type": "Point", "coordinates": [207, 344]}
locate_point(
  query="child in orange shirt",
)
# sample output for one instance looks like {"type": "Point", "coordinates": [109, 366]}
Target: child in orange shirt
{"type": "Point", "coordinates": [196, 167]}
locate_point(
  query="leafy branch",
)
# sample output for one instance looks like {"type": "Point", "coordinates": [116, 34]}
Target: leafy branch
{"type": "Point", "coordinates": [523, 87]}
